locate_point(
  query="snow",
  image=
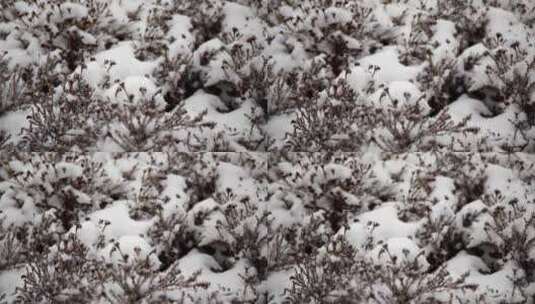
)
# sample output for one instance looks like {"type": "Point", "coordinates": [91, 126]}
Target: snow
{"type": "Point", "coordinates": [9, 281]}
{"type": "Point", "coordinates": [241, 17]}
{"type": "Point", "coordinates": [227, 281]}
{"type": "Point", "coordinates": [181, 37]}
{"type": "Point", "coordinates": [473, 217]}
{"type": "Point", "coordinates": [137, 89]}
{"type": "Point", "coordinates": [399, 94]}
{"type": "Point", "coordinates": [233, 177]}
{"type": "Point", "coordinates": [278, 126]}
{"type": "Point", "coordinates": [213, 70]}
{"type": "Point", "coordinates": [488, 284]}
{"type": "Point", "coordinates": [13, 123]}
{"type": "Point", "coordinates": [390, 69]}
{"type": "Point", "coordinates": [209, 211]}
{"type": "Point", "coordinates": [507, 25]}
{"type": "Point", "coordinates": [444, 37]}
{"type": "Point", "coordinates": [378, 225]}
{"type": "Point", "coordinates": [175, 192]}
{"type": "Point", "coordinates": [134, 247]}
{"type": "Point", "coordinates": [403, 249]}
{"type": "Point", "coordinates": [235, 124]}
{"type": "Point", "coordinates": [498, 130]}
{"type": "Point", "coordinates": [118, 63]}
{"type": "Point", "coordinates": [120, 222]}
{"type": "Point", "coordinates": [276, 284]}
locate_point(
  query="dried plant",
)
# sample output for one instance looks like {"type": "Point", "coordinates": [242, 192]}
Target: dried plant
{"type": "Point", "coordinates": [440, 83]}
{"type": "Point", "coordinates": [69, 273]}
{"type": "Point", "coordinates": [319, 121]}
{"type": "Point", "coordinates": [512, 229]}
{"type": "Point", "coordinates": [71, 122]}
{"type": "Point", "coordinates": [11, 90]}
{"type": "Point", "coordinates": [179, 80]}
{"type": "Point", "coordinates": [146, 126]}
{"type": "Point", "coordinates": [511, 76]}
{"type": "Point", "coordinates": [249, 232]}
{"type": "Point", "coordinates": [70, 184]}
{"type": "Point", "coordinates": [206, 17]}
{"type": "Point", "coordinates": [414, 47]}
{"type": "Point", "coordinates": [407, 125]}
{"type": "Point", "coordinates": [470, 20]}
{"type": "Point", "coordinates": [415, 203]}
{"type": "Point", "coordinates": [404, 281]}
{"type": "Point", "coordinates": [140, 281]}
{"type": "Point", "coordinates": [326, 279]}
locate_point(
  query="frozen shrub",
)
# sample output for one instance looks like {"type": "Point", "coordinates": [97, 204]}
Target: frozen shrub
{"type": "Point", "coordinates": [251, 75]}
{"type": "Point", "coordinates": [439, 82]}
{"type": "Point", "coordinates": [402, 127]}
{"type": "Point", "coordinates": [469, 17]}
{"type": "Point", "coordinates": [148, 202]}
{"type": "Point", "coordinates": [469, 178]}
{"type": "Point", "coordinates": [71, 122]}
{"type": "Point", "coordinates": [70, 184]}
{"type": "Point", "coordinates": [416, 283]}
{"type": "Point", "coordinates": [10, 247]}
{"type": "Point", "coordinates": [511, 74]}
{"type": "Point", "coordinates": [140, 281]}
{"type": "Point", "coordinates": [200, 174]}
{"type": "Point", "coordinates": [43, 79]}
{"type": "Point", "coordinates": [62, 276]}
{"type": "Point", "coordinates": [206, 17]}
{"type": "Point", "coordinates": [400, 280]}
{"type": "Point", "coordinates": [70, 273]}
{"type": "Point", "coordinates": [179, 79]}
{"type": "Point", "coordinates": [326, 279]}
{"type": "Point", "coordinates": [146, 126]}
{"type": "Point", "coordinates": [332, 184]}
{"type": "Point", "coordinates": [319, 121]}
{"type": "Point", "coordinates": [10, 88]}
{"type": "Point", "coordinates": [292, 89]}
{"type": "Point", "coordinates": [407, 127]}
{"type": "Point", "coordinates": [25, 243]}
{"type": "Point", "coordinates": [70, 29]}
{"type": "Point", "coordinates": [338, 29]}
{"type": "Point", "coordinates": [249, 232]}
{"type": "Point", "coordinates": [414, 47]}
{"type": "Point", "coordinates": [513, 233]}
{"type": "Point", "coordinates": [173, 237]}
{"type": "Point", "coordinates": [78, 120]}
{"type": "Point", "coordinates": [4, 141]}
{"type": "Point", "coordinates": [151, 44]}
{"type": "Point", "coordinates": [415, 204]}
{"type": "Point", "coordinates": [256, 83]}
{"type": "Point", "coordinates": [442, 237]}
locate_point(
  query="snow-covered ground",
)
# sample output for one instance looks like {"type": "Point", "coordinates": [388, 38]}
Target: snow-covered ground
{"type": "Point", "coordinates": [273, 151]}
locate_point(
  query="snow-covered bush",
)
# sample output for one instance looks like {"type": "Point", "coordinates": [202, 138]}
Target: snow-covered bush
{"type": "Point", "coordinates": [297, 227]}
{"type": "Point", "coordinates": [133, 164]}
{"type": "Point", "coordinates": [388, 275]}
{"type": "Point", "coordinates": [70, 272]}
{"type": "Point", "coordinates": [10, 89]}
{"type": "Point", "coordinates": [395, 123]}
